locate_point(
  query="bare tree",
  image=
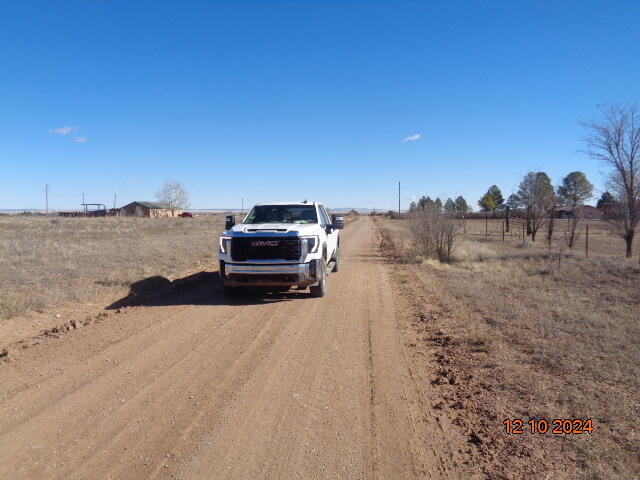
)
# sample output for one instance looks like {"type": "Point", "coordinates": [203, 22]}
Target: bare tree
{"type": "Point", "coordinates": [434, 232]}
{"type": "Point", "coordinates": [615, 141]}
{"type": "Point", "coordinates": [173, 195]}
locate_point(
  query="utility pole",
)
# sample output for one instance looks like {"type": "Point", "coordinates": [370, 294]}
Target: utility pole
{"type": "Point", "coordinates": [46, 199]}
{"type": "Point", "coordinates": [242, 210]}
{"type": "Point", "coordinates": [114, 201]}
{"type": "Point", "coordinates": [398, 199]}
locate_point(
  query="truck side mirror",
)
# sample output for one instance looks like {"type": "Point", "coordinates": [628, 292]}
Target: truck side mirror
{"type": "Point", "coordinates": [337, 221]}
{"type": "Point", "coordinates": [229, 222]}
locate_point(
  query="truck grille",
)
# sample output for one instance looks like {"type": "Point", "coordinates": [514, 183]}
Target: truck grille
{"type": "Point", "coordinates": [265, 248]}
{"type": "Point", "coordinates": [263, 278]}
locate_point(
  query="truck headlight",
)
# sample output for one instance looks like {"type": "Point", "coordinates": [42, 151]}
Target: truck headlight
{"type": "Point", "coordinates": [311, 242]}
{"type": "Point", "coordinates": [225, 244]}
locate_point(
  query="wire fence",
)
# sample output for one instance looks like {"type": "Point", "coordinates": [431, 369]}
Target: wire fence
{"type": "Point", "coordinates": [592, 237]}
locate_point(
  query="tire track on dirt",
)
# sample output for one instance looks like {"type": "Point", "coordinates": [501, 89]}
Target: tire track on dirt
{"type": "Point", "coordinates": [290, 388]}
{"type": "Point", "coordinates": [151, 369]}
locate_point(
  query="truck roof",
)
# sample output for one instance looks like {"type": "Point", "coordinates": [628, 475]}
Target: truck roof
{"type": "Point", "coordinates": [287, 203]}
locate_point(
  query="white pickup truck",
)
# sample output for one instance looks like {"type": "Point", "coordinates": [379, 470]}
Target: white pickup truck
{"type": "Point", "coordinates": [281, 245]}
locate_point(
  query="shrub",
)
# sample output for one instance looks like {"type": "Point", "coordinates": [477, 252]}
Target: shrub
{"type": "Point", "coordinates": [434, 233]}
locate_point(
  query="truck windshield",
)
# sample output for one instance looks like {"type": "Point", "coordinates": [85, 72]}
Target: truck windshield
{"type": "Point", "coordinates": [282, 214]}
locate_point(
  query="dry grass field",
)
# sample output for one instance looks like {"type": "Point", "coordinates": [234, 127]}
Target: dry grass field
{"type": "Point", "coordinates": [513, 332]}
{"type": "Point", "coordinates": [46, 262]}
{"type": "Point", "coordinates": [537, 335]}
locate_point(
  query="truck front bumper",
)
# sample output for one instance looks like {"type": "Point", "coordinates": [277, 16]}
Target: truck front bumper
{"type": "Point", "coordinates": [271, 275]}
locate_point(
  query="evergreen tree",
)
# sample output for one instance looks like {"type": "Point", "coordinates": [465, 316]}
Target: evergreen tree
{"type": "Point", "coordinates": [514, 201]}
{"type": "Point", "coordinates": [424, 202]}
{"type": "Point", "coordinates": [575, 190]}
{"type": "Point", "coordinates": [486, 203]}
{"type": "Point", "coordinates": [605, 199]}
{"type": "Point", "coordinates": [496, 195]}
{"type": "Point", "coordinates": [461, 205]}
{"type": "Point", "coordinates": [449, 206]}
{"type": "Point", "coordinates": [429, 204]}
{"type": "Point", "coordinates": [537, 197]}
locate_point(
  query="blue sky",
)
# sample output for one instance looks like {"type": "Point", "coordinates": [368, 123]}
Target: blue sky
{"type": "Point", "coordinates": [275, 100]}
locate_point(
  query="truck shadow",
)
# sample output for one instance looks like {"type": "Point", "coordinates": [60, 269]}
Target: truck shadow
{"type": "Point", "coordinates": [202, 288]}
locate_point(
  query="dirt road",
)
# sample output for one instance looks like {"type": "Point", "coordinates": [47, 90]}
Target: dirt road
{"type": "Point", "coordinates": [197, 387]}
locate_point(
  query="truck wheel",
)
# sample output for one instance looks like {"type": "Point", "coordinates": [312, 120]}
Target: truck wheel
{"type": "Point", "coordinates": [320, 290]}
{"type": "Point", "coordinates": [336, 261]}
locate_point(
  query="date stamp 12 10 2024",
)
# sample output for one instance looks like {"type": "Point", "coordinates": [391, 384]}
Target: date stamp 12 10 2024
{"type": "Point", "coordinates": [557, 426]}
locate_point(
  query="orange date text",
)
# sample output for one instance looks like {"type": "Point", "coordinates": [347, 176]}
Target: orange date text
{"type": "Point", "coordinates": [557, 426]}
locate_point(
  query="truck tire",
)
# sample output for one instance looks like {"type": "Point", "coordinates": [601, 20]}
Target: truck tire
{"type": "Point", "coordinates": [320, 290]}
{"type": "Point", "coordinates": [336, 261]}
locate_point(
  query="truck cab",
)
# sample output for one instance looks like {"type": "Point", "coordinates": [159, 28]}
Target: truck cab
{"type": "Point", "coordinates": [281, 245]}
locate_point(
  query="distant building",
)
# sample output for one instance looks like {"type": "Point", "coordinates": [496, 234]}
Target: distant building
{"type": "Point", "coordinates": [148, 210]}
{"type": "Point", "coordinates": [583, 212]}
{"type": "Point", "coordinates": [88, 210]}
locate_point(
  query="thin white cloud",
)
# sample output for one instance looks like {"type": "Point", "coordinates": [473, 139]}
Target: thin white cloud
{"type": "Point", "coordinates": [79, 139]}
{"type": "Point", "coordinates": [66, 130]}
{"type": "Point", "coordinates": [412, 138]}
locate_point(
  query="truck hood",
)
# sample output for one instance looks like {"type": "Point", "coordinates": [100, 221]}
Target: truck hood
{"type": "Point", "coordinates": [282, 228]}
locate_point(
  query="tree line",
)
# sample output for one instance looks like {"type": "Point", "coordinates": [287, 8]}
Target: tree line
{"type": "Point", "coordinates": [539, 201]}
{"type": "Point", "coordinates": [459, 205]}
{"type": "Point", "coordinates": [614, 140]}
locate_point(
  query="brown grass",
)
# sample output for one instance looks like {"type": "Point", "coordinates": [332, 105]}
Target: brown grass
{"type": "Point", "coordinates": [541, 335]}
{"type": "Point", "coordinates": [46, 262]}
{"type": "Point", "coordinates": [601, 241]}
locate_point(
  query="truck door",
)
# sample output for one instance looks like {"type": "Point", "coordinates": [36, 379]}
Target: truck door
{"type": "Point", "coordinates": [332, 235]}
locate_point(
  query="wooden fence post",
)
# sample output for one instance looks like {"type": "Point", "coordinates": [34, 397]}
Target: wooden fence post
{"type": "Point", "coordinates": [586, 243]}
{"type": "Point", "coordinates": [507, 218]}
